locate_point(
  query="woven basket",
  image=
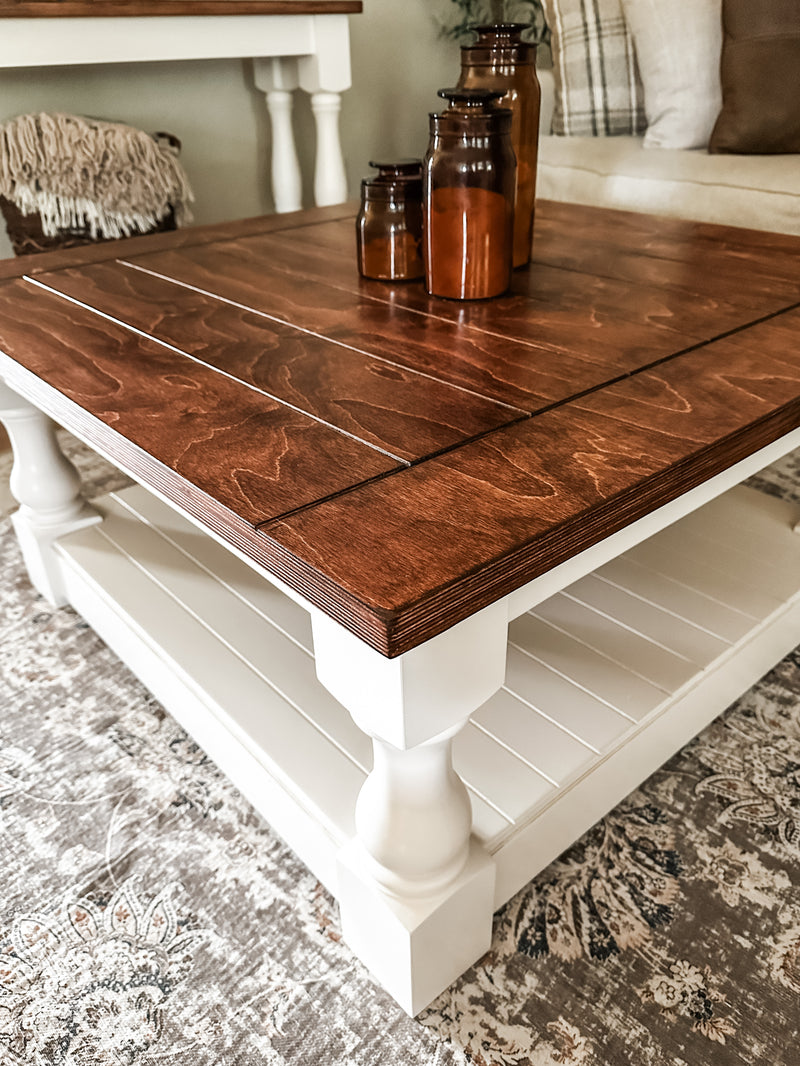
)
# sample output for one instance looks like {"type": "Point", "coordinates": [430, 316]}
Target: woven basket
{"type": "Point", "coordinates": [27, 236]}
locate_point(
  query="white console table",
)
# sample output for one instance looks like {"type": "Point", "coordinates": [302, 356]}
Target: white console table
{"type": "Point", "coordinates": [295, 44]}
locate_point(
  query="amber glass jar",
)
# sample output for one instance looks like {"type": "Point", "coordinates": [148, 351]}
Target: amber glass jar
{"type": "Point", "coordinates": [389, 223]}
{"type": "Point", "coordinates": [501, 60]}
{"type": "Point", "coordinates": [468, 195]}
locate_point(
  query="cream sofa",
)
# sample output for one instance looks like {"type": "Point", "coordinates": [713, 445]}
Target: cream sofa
{"type": "Point", "coordinates": [740, 190]}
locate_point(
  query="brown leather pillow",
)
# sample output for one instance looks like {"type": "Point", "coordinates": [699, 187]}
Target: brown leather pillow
{"type": "Point", "coordinates": [760, 72]}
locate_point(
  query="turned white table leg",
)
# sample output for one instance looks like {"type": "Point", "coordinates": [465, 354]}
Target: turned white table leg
{"type": "Point", "coordinates": [413, 816]}
{"type": "Point", "coordinates": [330, 180]}
{"type": "Point", "coordinates": [278, 79]}
{"type": "Point", "coordinates": [416, 891]}
{"type": "Point", "coordinates": [47, 487]}
{"type": "Point", "coordinates": [325, 75]}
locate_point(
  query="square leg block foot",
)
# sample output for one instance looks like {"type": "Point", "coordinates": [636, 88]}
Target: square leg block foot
{"type": "Point", "coordinates": [415, 947]}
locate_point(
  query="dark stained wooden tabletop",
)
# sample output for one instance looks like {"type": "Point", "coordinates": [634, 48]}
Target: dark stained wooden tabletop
{"type": "Point", "coordinates": [399, 459]}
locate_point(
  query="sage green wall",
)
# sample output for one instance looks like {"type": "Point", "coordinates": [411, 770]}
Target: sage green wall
{"type": "Point", "coordinates": [398, 63]}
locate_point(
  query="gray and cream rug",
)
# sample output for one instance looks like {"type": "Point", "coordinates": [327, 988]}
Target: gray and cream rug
{"type": "Point", "coordinates": [149, 916]}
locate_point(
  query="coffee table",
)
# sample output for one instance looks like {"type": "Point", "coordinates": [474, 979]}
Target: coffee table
{"type": "Point", "coordinates": [377, 536]}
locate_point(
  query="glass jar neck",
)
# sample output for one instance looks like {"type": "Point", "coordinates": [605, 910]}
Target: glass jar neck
{"type": "Point", "coordinates": [391, 193]}
{"type": "Point", "coordinates": [502, 31]}
{"type": "Point", "coordinates": [467, 123]}
{"type": "Point", "coordinates": [503, 54]}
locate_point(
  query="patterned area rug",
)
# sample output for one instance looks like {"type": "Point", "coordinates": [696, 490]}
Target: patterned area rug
{"type": "Point", "coordinates": [149, 916]}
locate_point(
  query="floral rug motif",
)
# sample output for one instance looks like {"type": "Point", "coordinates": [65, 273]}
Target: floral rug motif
{"type": "Point", "coordinates": [148, 916]}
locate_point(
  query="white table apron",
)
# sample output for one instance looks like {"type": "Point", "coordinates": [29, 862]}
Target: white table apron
{"type": "Point", "coordinates": [290, 52]}
{"type": "Point", "coordinates": [493, 746]}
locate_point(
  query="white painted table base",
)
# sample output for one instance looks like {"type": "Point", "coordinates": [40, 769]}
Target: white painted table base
{"type": "Point", "coordinates": [549, 721]}
{"type": "Point", "coordinates": [291, 52]}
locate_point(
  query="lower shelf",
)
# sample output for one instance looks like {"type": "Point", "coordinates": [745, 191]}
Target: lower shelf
{"type": "Point", "coordinates": [605, 680]}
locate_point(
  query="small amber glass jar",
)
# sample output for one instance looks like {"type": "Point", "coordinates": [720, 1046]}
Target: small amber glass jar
{"type": "Point", "coordinates": [389, 223]}
{"type": "Point", "coordinates": [501, 60]}
{"type": "Point", "coordinates": [468, 196]}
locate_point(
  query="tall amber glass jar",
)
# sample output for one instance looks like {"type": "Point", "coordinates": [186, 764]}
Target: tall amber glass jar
{"type": "Point", "coordinates": [501, 60]}
{"type": "Point", "coordinates": [469, 178]}
{"type": "Point", "coordinates": [389, 224]}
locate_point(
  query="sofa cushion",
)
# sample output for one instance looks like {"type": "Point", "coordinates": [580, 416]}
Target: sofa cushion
{"type": "Point", "coordinates": [678, 47]}
{"type": "Point", "coordinates": [598, 90]}
{"type": "Point", "coordinates": [762, 192]}
{"type": "Point", "coordinates": [760, 78]}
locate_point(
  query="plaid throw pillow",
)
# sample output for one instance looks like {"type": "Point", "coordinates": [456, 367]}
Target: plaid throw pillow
{"type": "Point", "coordinates": [598, 91]}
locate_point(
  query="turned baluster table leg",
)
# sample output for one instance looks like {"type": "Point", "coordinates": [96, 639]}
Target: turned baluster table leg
{"type": "Point", "coordinates": [413, 816]}
{"type": "Point", "coordinates": [277, 78]}
{"type": "Point", "coordinates": [330, 180]}
{"type": "Point", "coordinates": [416, 891]}
{"type": "Point", "coordinates": [47, 487]}
{"type": "Point", "coordinates": [325, 75]}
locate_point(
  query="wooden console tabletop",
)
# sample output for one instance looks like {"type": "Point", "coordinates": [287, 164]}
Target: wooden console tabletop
{"type": "Point", "coordinates": [401, 460]}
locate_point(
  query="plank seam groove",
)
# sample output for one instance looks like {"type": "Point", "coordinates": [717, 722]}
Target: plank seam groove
{"type": "Point", "coordinates": [643, 726]}
{"type": "Point", "coordinates": [610, 658]}
{"type": "Point", "coordinates": [489, 803]}
{"type": "Point", "coordinates": [319, 336]}
{"type": "Point", "coordinates": [717, 568]}
{"type": "Point", "coordinates": [624, 625]}
{"type": "Point", "coordinates": [516, 754]}
{"type": "Point", "coordinates": [566, 677]}
{"type": "Point", "coordinates": [393, 631]}
{"type": "Point", "coordinates": [155, 475]}
{"type": "Point", "coordinates": [553, 721]}
{"type": "Point", "coordinates": [661, 607]}
{"type": "Point", "coordinates": [696, 346]}
{"type": "Point", "coordinates": [220, 581]}
{"type": "Point", "coordinates": [237, 654]}
{"type": "Point", "coordinates": [209, 366]}
{"type": "Point", "coordinates": [737, 555]}
{"type": "Point", "coordinates": [691, 588]}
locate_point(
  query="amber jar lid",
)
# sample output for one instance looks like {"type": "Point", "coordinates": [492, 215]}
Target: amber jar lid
{"type": "Point", "coordinates": [402, 170]}
{"type": "Point", "coordinates": [397, 180]}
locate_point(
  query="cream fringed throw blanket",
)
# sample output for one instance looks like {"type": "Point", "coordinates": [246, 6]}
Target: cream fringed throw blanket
{"type": "Point", "coordinates": [76, 172]}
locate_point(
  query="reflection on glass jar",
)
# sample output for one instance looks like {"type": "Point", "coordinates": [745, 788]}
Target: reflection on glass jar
{"type": "Point", "coordinates": [499, 59]}
{"type": "Point", "coordinates": [469, 180]}
{"type": "Point", "coordinates": [389, 223]}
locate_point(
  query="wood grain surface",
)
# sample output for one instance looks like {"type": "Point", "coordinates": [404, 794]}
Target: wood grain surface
{"type": "Point", "coordinates": [402, 412]}
{"type": "Point", "coordinates": [523, 375]}
{"type": "Point", "coordinates": [253, 455]}
{"type": "Point", "coordinates": [192, 236]}
{"type": "Point", "coordinates": [401, 460]}
{"type": "Point", "coordinates": [579, 283]}
{"type": "Point", "coordinates": [533, 494]}
{"type": "Point", "coordinates": [619, 331]}
{"type": "Point", "coordinates": [156, 8]}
